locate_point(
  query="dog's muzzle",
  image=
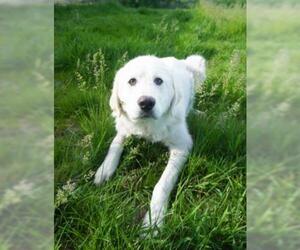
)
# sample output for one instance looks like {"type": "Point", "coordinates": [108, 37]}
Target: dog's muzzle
{"type": "Point", "coordinates": [146, 103]}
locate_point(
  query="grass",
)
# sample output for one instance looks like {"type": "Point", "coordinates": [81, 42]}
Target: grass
{"type": "Point", "coordinates": [207, 209]}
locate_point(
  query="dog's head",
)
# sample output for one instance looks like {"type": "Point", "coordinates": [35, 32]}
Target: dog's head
{"type": "Point", "coordinates": [146, 88]}
{"type": "Point", "coordinates": [143, 89]}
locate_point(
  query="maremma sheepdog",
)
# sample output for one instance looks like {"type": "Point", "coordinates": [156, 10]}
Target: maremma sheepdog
{"type": "Point", "coordinates": [151, 98]}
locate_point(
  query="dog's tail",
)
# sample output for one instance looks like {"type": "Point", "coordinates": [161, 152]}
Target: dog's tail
{"type": "Point", "coordinates": [196, 64]}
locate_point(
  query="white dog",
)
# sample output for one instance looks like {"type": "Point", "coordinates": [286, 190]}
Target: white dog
{"type": "Point", "coordinates": [151, 98]}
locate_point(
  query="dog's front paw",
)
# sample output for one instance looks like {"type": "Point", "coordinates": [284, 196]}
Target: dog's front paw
{"type": "Point", "coordinates": [149, 227]}
{"type": "Point", "coordinates": [152, 222]}
{"type": "Point", "coordinates": [103, 174]}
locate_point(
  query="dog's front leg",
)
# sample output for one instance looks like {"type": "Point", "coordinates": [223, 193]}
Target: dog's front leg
{"type": "Point", "coordinates": [163, 188]}
{"type": "Point", "coordinates": [111, 161]}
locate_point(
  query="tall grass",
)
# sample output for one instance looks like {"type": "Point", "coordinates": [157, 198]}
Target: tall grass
{"type": "Point", "coordinates": [208, 208]}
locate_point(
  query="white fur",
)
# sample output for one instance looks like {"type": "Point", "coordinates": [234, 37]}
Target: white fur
{"type": "Point", "coordinates": [174, 98]}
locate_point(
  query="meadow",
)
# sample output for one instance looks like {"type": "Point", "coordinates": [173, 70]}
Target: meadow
{"type": "Point", "coordinates": [208, 207]}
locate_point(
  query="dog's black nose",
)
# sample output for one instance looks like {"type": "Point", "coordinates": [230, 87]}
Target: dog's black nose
{"type": "Point", "coordinates": [146, 103]}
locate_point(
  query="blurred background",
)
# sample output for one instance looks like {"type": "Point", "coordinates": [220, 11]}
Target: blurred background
{"type": "Point", "coordinates": [156, 3]}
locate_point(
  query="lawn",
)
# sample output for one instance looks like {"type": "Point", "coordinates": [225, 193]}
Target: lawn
{"type": "Point", "coordinates": [208, 207]}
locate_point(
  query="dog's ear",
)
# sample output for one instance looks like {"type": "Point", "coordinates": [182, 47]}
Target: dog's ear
{"type": "Point", "coordinates": [179, 103]}
{"type": "Point", "coordinates": [196, 65]}
{"type": "Point", "coordinates": [114, 100]}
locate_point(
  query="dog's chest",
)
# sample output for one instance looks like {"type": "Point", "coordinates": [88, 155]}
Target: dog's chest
{"type": "Point", "coordinates": [153, 130]}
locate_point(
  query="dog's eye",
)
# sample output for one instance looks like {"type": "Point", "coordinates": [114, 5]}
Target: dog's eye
{"type": "Point", "coordinates": [132, 81]}
{"type": "Point", "coordinates": [158, 81]}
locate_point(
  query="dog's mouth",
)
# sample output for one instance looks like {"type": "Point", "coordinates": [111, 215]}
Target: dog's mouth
{"type": "Point", "coordinates": [142, 116]}
{"type": "Point", "coordinates": [146, 115]}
